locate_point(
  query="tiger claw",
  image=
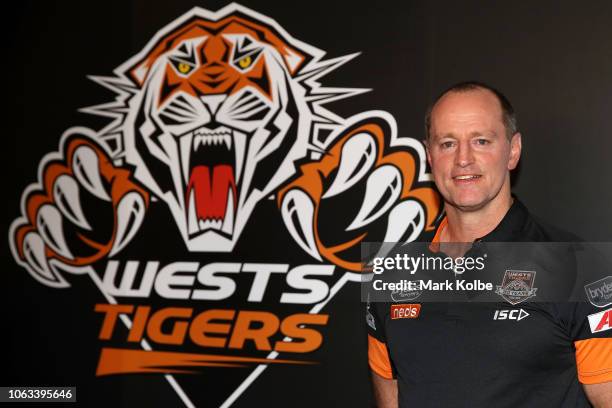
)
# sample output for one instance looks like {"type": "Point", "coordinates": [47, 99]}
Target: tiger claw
{"type": "Point", "coordinates": [298, 213]}
{"type": "Point", "coordinates": [358, 156]}
{"type": "Point", "coordinates": [86, 169]}
{"type": "Point", "coordinates": [130, 213]}
{"type": "Point", "coordinates": [35, 257]}
{"type": "Point", "coordinates": [49, 224]}
{"type": "Point", "coordinates": [405, 223]}
{"type": "Point", "coordinates": [66, 196]}
{"type": "Point", "coordinates": [383, 188]}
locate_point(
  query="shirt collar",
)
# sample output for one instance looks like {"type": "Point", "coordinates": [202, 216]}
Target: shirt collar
{"type": "Point", "coordinates": [506, 231]}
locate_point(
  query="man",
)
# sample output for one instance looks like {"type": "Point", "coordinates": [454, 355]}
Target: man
{"type": "Point", "coordinates": [457, 355]}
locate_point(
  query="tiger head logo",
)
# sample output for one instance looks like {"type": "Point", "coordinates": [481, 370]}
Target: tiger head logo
{"type": "Point", "coordinates": [219, 111]}
{"type": "Point", "coordinates": [210, 99]}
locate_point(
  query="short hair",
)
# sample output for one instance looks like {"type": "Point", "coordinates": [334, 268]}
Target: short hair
{"type": "Point", "coordinates": [508, 115]}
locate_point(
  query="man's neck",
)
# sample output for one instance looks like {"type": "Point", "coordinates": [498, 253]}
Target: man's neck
{"type": "Point", "coordinates": [467, 226]}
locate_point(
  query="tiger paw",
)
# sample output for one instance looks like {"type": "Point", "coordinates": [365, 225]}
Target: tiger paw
{"type": "Point", "coordinates": [82, 209]}
{"type": "Point", "coordinates": [368, 186]}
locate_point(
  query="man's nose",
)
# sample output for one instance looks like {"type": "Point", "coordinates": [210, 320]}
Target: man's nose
{"type": "Point", "coordinates": [465, 154]}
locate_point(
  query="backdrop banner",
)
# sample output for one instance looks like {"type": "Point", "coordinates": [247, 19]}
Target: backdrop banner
{"type": "Point", "coordinates": [191, 183]}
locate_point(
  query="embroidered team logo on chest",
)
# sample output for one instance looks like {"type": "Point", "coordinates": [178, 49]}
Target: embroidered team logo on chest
{"type": "Point", "coordinates": [517, 286]}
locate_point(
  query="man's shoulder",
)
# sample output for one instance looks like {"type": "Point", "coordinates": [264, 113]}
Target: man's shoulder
{"type": "Point", "coordinates": [537, 229]}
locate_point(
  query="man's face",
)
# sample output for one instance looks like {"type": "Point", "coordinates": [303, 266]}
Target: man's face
{"type": "Point", "coordinates": [468, 150]}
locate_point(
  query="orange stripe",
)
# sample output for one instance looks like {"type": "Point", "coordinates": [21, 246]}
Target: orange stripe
{"type": "Point", "coordinates": [378, 357]}
{"type": "Point", "coordinates": [442, 225]}
{"type": "Point", "coordinates": [594, 360]}
{"type": "Point", "coordinates": [434, 246]}
{"type": "Point", "coordinates": [121, 361]}
{"type": "Point", "coordinates": [436, 238]}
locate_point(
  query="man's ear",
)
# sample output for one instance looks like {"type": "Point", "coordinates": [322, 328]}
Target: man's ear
{"type": "Point", "coordinates": [515, 151]}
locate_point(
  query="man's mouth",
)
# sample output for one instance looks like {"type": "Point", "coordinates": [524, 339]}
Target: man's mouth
{"type": "Point", "coordinates": [209, 170]}
{"type": "Point", "coordinates": [466, 178]}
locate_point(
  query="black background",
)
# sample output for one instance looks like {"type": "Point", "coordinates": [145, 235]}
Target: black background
{"type": "Point", "coordinates": [552, 59]}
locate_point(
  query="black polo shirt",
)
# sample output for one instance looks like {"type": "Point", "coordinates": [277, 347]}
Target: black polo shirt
{"type": "Point", "coordinates": [494, 354]}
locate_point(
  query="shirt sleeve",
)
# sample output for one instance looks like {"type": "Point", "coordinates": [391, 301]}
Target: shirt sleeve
{"type": "Point", "coordinates": [378, 353]}
{"type": "Point", "coordinates": [590, 321]}
{"type": "Point", "coordinates": [591, 331]}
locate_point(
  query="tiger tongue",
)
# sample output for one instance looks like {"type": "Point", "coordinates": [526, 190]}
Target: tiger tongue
{"type": "Point", "coordinates": [211, 192]}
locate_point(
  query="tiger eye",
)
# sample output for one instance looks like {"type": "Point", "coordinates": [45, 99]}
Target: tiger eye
{"type": "Point", "coordinates": [184, 68]}
{"type": "Point", "coordinates": [245, 62]}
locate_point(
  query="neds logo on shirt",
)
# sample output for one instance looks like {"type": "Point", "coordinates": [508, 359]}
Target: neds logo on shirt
{"type": "Point", "coordinates": [601, 321]}
{"type": "Point", "coordinates": [405, 311]}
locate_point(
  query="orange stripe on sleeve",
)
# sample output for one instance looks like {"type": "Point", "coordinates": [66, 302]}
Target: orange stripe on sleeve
{"type": "Point", "coordinates": [594, 360]}
{"type": "Point", "coordinates": [378, 357]}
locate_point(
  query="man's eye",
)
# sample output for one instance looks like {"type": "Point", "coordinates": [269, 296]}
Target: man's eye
{"type": "Point", "coordinates": [482, 142]}
{"type": "Point", "coordinates": [446, 145]}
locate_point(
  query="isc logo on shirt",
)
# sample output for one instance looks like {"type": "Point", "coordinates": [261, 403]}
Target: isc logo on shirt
{"type": "Point", "coordinates": [601, 321]}
{"type": "Point", "coordinates": [511, 314]}
{"type": "Point", "coordinates": [405, 311]}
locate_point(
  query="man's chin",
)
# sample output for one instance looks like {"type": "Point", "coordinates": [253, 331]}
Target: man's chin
{"type": "Point", "coordinates": [473, 204]}
{"type": "Point", "coordinates": [471, 208]}
{"type": "Point", "coordinates": [468, 205]}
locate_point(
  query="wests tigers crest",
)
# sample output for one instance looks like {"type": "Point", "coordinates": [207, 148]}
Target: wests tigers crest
{"type": "Point", "coordinates": [219, 111]}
